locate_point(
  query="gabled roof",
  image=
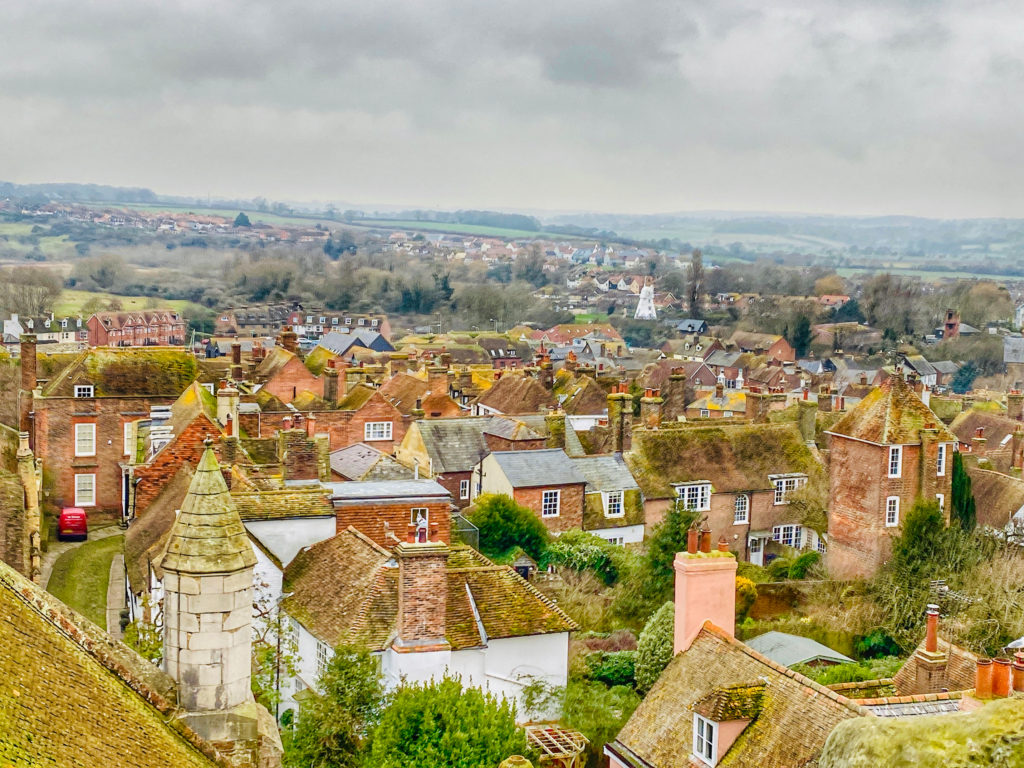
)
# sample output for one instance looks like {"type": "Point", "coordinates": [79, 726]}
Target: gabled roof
{"type": "Point", "coordinates": [585, 397]}
{"type": "Point", "coordinates": [790, 650]}
{"type": "Point", "coordinates": [208, 536]}
{"type": "Point", "coordinates": [454, 445]}
{"type": "Point", "coordinates": [920, 365]}
{"type": "Point", "coordinates": [274, 362]}
{"type": "Point", "coordinates": [345, 589]}
{"type": "Point", "coordinates": [532, 469]}
{"type": "Point", "coordinates": [1013, 349]}
{"type": "Point", "coordinates": [360, 492]}
{"type": "Point", "coordinates": [998, 497]}
{"type": "Point", "coordinates": [196, 400]}
{"type": "Point", "coordinates": [732, 457]}
{"type": "Point", "coordinates": [72, 696]}
{"type": "Point", "coordinates": [127, 371]}
{"type": "Point", "coordinates": [892, 414]}
{"type": "Point", "coordinates": [510, 429]}
{"type": "Point", "coordinates": [364, 462]}
{"type": "Point", "coordinates": [794, 715]}
{"type": "Point", "coordinates": [403, 390]}
{"type": "Point", "coordinates": [517, 394]}
{"type": "Point", "coordinates": [356, 397]}
{"type": "Point", "coordinates": [996, 425]}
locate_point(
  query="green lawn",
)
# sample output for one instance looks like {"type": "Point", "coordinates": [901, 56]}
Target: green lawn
{"type": "Point", "coordinates": [71, 302]}
{"type": "Point", "coordinates": [81, 575]}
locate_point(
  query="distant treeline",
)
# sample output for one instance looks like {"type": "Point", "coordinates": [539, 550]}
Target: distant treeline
{"type": "Point", "coordinates": [82, 193]}
{"type": "Point", "coordinates": [476, 218]}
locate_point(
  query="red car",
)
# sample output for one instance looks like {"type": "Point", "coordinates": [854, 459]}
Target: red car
{"type": "Point", "coordinates": [72, 524]}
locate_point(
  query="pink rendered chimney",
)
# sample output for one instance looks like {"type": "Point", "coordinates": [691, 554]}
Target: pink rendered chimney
{"type": "Point", "coordinates": [705, 591]}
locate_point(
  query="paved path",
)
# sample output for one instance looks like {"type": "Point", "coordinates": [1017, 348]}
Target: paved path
{"type": "Point", "coordinates": [58, 548]}
{"type": "Point", "coordinates": [115, 597]}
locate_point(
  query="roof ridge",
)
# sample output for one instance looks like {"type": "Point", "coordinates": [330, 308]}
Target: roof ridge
{"type": "Point", "coordinates": [714, 629]}
{"type": "Point", "coordinates": [544, 598]}
{"type": "Point", "coordinates": [367, 540]}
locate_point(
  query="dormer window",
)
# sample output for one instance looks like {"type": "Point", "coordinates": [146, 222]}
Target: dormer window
{"type": "Point", "coordinates": [362, 321]}
{"type": "Point", "coordinates": [348, 321]}
{"type": "Point", "coordinates": [705, 740]}
{"type": "Point", "coordinates": [786, 483]}
{"type": "Point", "coordinates": [374, 323]}
{"type": "Point", "coordinates": [695, 496]}
{"type": "Point", "coordinates": [84, 390]}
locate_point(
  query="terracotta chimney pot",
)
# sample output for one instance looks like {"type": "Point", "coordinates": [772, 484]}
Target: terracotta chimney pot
{"type": "Point", "coordinates": [692, 541]}
{"type": "Point", "coordinates": [1018, 676]}
{"type": "Point", "coordinates": [1001, 678]}
{"type": "Point", "coordinates": [931, 641]}
{"type": "Point", "coordinates": [723, 544]}
{"type": "Point", "coordinates": [983, 679]}
{"type": "Point", "coordinates": [705, 541]}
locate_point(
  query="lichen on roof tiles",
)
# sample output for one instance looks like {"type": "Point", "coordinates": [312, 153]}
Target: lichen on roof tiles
{"type": "Point", "coordinates": [208, 536]}
{"type": "Point", "coordinates": [892, 414]}
{"type": "Point", "coordinates": [127, 371]}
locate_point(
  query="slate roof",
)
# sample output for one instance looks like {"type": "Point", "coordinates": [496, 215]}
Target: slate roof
{"type": "Point", "coordinates": [532, 469]}
{"type": "Point", "coordinates": [732, 457]}
{"type": "Point", "coordinates": [920, 366]}
{"type": "Point", "coordinates": [510, 429]}
{"type": "Point", "coordinates": [453, 445]}
{"type": "Point", "coordinates": [385, 489]}
{"type": "Point", "coordinates": [338, 343]}
{"type": "Point", "coordinates": [208, 536]}
{"type": "Point", "coordinates": [892, 414]}
{"type": "Point", "coordinates": [345, 589]}
{"type": "Point", "coordinates": [605, 473]}
{"type": "Point", "coordinates": [364, 462]}
{"type": "Point", "coordinates": [790, 650]}
{"type": "Point", "coordinates": [1013, 349]}
{"type": "Point", "coordinates": [127, 371]}
{"type": "Point", "coordinates": [723, 358]}
{"type": "Point", "coordinates": [70, 696]}
{"type": "Point", "coordinates": [945, 367]}
{"type": "Point", "coordinates": [283, 504]}
{"type": "Point", "coordinates": [794, 714]}
{"type": "Point", "coordinates": [517, 394]}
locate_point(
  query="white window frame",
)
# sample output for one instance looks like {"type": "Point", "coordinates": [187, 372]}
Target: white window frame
{"type": "Point", "coordinates": [614, 503]}
{"type": "Point", "coordinates": [80, 499]}
{"type": "Point", "coordinates": [892, 511]}
{"type": "Point", "coordinates": [463, 489]}
{"type": "Point", "coordinates": [127, 440]}
{"type": "Point", "coordinates": [784, 485]}
{"type": "Point", "coordinates": [414, 515]}
{"type": "Point", "coordinates": [374, 431]}
{"type": "Point", "coordinates": [705, 749]}
{"type": "Point", "coordinates": [705, 413]}
{"type": "Point", "coordinates": [323, 658]}
{"type": "Point", "coordinates": [741, 512]}
{"type": "Point", "coordinates": [941, 498]}
{"type": "Point", "coordinates": [84, 390]}
{"type": "Point", "coordinates": [550, 499]}
{"type": "Point", "coordinates": [789, 535]}
{"type": "Point", "coordinates": [348, 321]}
{"type": "Point", "coordinates": [695, 496]}
{"type": "Point", "coordinates": [940, 461]}
{"type": "Point", "coordinates": [85, 431]}
{"type": "Point", "coordinates": [895, 466]}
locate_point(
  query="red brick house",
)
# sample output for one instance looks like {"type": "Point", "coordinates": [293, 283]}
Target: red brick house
{"type": "Point", "coordinates": [387, 510]}
{"type": "Point", "coordinates": [514, 394]}
{"type": "Point", "coordinates": [80, 420]}
{"type": "Point", "coordinates": [448, 449]}
{"type": "Point", "coordinates": [886, 453]}
{"type": "Point", "coordinates": [142, 328]}
{"type": "Point", "coordinates": [736, 475]}
{"type": "Point", "coordinates": [284, 375]}
{"type": "Point", "coordinates": [545, 481]}
{"type": "Point", "coordinates": [774, 346]}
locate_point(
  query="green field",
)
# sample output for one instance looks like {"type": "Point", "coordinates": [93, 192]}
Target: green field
{"type": "Point", "coordinates": [71, 302]}
{"type": "Point", "coordinates": [81, 575]}
{"type": "Point", "coordinates": [50, 246]}
{"type": "Point", "coordinates": [256, 217]}
{"type": "Point", "coordinates": [455, 229]}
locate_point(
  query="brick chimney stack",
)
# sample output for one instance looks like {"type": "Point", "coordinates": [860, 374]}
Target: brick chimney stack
{"type": "Point", "coordinates": [227, 408]}
{"type": "Point", "coordinates": [289, 339]}
{"type": "Point", "coordinates": [620, 418]}
{"type": "Point", "coordinates": [437, 379]}
{"type": "Point", "coordinates": [422, 597]}
{"type": "Point", "coordinates": [1015, 405]}
{"type": "Point", "coordinates": [28, 381]}
{"type": "Point", "coordinates": [979, 441]}
{"type": "Point", "coordinates": [650, 408]}
{"type": "Point", "coordinates": [331, 383]}
{"type": "Point", "coordinates": [236, 360]}
{"type": "Point", "coordinates": [705, 591]}
{"type": "Point", "coordinates": [931, 662]}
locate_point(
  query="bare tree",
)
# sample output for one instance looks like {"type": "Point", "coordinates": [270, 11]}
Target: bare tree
{"type": "Point", "coordinates": [695, 288]}
{"type": "Point", "coordinates": [28, 291]}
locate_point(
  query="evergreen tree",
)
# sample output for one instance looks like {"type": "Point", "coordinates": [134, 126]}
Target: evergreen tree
{"type": "Point", "coordinates": [503, 524]}
{"type": "Point", "coordinates": [241, 220]}
{"type": "Point", "coordinates": [654, 648]}
{"type": "Point", "coordinates": [802, 335]}
{"type": "Point", "coordinates": [695, 287]}
{"type": "Point", "coordinates": [962, 509]}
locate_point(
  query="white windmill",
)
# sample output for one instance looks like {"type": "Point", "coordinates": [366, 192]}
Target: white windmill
{"type": "Point", "coordinates": [645, 307]}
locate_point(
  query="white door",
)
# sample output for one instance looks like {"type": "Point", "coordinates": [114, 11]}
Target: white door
{"type": "Point", "coordinates": [757, 551]}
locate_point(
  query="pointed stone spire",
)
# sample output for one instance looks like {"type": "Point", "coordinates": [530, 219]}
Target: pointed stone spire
{"type": "Point", "coordinates": [208, 537]}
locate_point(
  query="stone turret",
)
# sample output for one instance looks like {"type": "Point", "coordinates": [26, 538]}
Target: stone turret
{"type": "Point", "coordinates": [208, 586]}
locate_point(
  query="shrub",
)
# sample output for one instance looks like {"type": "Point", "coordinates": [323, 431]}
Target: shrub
{"type": "Point", "coordinates": [805, 562]}
{"type": "Point", "coordinates": [778, 568]}
{"type": "Point", "coordinates": [503, 525]}
{"type": "Point", "coordinates": [614, 668]}
{"type": "Point", "coordinates": [584, 552]}
{"type": "Point", "coordinates": [654, 649]}
{"type": "Point", "coordinates": [877, 644]}
{"type": "Point", "coordinates": [746, 595]}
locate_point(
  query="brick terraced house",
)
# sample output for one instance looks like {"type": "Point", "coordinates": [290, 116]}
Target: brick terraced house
{"type": "Point", "coordinates": [890, 450]}
{"type": "Point", "coordinates": [141, 328]}
{"type": "Point", "coordinates": [545, 481]}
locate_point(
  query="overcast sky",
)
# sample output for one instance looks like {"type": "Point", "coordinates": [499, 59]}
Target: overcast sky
{"type": "Point", "coordinates": [851, 106]}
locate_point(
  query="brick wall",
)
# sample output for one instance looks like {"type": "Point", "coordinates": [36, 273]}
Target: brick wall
{"type": "Point", "coordinates": [571, 499]}
{"type": "Point", "coordinates": [303, 457]}
{"type": "Point", "coordinates": [859, 540]}
{"type": "Point", "coordinates": [292, 379]}
{"type": "Point", "coordinates": [369, 519]}
{"type": "Point", "coordinates": [495, 443]}
{"type": "Point", "coordinates": [422, 593]}
{"type": "Point", "coordinates": [187, 447]}
{"type": "Point", "coordinates": [55, 443]}
{"type": "Point", "coordinates": [344, 428]}
{"type": "Point", "coordinates": [451, 482]}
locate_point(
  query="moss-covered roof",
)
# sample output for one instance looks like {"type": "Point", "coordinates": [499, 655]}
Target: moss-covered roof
{"type": "Point", "coordinates": [318, 358]}
{"type": "Point", "coordinates": [345, 589]}
{"type": "Point", "coordinates": [127, 371]}
{"type": "Point", "coordinates": [733, 702]}
{"type": "Point", "coordinates": [283, 504]}
{"type": "Point", "coordinates": [70, 696]}
{"type": "Point", "coordinates": [892, 414]}
{"type": "Point", "coordinates": [208, 536]}
{"type": "Point", "coordinates": [402, 390]}
{"type": "Point", "coordinates": [194, 401]}
{"type": "Point", "coordinates": [356, 397]}
{"type": "Point", "coordinates": [517, 394]}
{"type": "Point", "coordinates": [991, 736]}
{"type": "Point", "coordinates": [732, 457]}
